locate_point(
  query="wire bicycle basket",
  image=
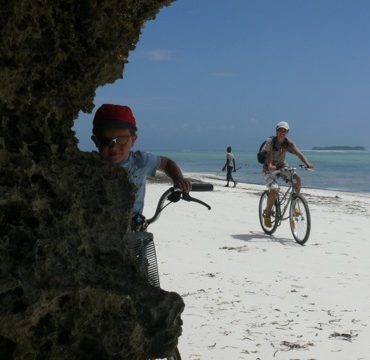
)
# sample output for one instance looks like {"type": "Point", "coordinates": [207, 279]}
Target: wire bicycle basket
{"type": "Point", "coordinates": [142, 246]}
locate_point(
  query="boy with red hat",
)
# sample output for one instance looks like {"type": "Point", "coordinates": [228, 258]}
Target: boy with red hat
{"type": "Point", "coordinates": [114, 134]}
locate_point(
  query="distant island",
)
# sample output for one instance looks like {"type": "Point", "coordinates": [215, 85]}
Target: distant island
{"type": "Point", "coordinates": [345, 148]}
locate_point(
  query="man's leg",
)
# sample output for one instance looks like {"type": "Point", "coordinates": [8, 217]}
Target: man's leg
{"type": "Point", "coordinates": [297, 184]}
{"type": "Point", "coordinates": [230, 172]}
{"type": "Point", "coordinates": [271, 201]}
{"type": "Point", "coordinates": [273, 187]}
{"type": "Point", "coordinates": [228, 176]}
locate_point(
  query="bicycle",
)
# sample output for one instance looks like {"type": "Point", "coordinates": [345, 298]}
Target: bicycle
{"type": "Point", "coordinates": [142, 242]}
{"type": "Point", "coordinates": [299, 212]}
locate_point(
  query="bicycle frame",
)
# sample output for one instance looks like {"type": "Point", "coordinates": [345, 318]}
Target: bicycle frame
{"type": "Point", "coordinates": [283, 202]}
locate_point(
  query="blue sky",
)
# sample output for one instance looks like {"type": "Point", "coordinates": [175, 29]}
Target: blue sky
{"type": "Point", "coordinates": [211, 73]}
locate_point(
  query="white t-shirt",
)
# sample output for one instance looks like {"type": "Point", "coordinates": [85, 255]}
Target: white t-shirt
{"type": "Point", "coordinates": [229, 159]}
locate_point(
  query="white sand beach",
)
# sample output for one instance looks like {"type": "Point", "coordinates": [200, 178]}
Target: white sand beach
{"type": "Point", "coordinates": [253, 296]}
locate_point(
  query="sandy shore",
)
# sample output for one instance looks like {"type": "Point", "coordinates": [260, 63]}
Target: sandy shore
{"type": "Point", "coordinates": [253, 296]}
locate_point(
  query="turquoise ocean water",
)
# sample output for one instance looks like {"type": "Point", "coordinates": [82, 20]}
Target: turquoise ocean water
{"type": "Point", "coordinates": [334, 170]}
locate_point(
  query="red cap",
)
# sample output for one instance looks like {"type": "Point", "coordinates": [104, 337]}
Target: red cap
{"type": "Point", "coordinates": [113, 116]}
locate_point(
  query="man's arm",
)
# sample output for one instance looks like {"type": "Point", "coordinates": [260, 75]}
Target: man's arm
{"type": "Point", "coordinates": [226, 163]}
{"type": "Point", "coordinates": [224, 167]}
{"type": "Point", "coordinates": [170, 168]}
{"type": "Point", "coordinates": [299, 154]}
{"type": "Point", "coordinates": [268, 162]}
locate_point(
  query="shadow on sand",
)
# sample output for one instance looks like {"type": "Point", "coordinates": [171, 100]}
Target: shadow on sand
{"type": "Point", "coordinates": [258, 236]}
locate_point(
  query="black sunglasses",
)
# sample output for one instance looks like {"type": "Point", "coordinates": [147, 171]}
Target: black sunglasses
{"type": "Point", "coordinates": [119, 140]}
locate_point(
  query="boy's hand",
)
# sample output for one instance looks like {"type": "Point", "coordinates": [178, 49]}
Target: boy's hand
{"type": "Point", "coordinates": [182, 184]}
{"type": "Point", "coordinates": [172, 170]}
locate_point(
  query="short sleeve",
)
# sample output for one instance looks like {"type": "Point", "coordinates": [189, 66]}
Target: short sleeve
{"type": "Point", "coordinates": [140, 166]}
{"type": "Point", "coordinates": [151, 163]}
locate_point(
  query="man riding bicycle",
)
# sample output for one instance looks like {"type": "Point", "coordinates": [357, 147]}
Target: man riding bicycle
{"type": "Point", "coordinates": [275, 149]}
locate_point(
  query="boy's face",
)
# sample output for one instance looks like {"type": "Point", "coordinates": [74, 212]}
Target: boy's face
{"type": "Point", "coordinates": [115, 144]}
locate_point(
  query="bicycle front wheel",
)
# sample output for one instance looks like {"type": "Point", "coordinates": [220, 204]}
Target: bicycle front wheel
{"type": "Point", "coordinates": [300, 219]}
{"type": "Point", "coordinates": [274, 214]}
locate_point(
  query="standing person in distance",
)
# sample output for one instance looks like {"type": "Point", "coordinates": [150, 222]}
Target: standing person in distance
{"type": "Point", "coordinates": [229, 166]}
{"type": "Point", "coordinates": [275, 149]}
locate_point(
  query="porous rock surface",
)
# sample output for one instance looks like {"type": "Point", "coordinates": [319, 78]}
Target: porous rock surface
{"type": "Point", "coordinates": [68, 287]}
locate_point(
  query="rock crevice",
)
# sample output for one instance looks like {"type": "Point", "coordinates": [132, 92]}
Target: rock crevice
{"type": "Point", "coordinates": [69, 288]}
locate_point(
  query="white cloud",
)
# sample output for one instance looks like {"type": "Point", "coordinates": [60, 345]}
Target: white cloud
{"type": "Point", "coordinates": [157, 55]}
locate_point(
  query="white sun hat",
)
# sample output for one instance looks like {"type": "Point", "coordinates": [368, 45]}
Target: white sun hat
{"type": "Point", "coordinates": [282, 125]}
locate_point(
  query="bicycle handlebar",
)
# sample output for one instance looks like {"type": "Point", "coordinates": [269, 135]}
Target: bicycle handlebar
{"type": "Point", "coordinates": [201, 187]}
{"type": "Point", "coordinates": [290, 169]}
{"type": "Point", "coordinates": [306, 168]}
{"type": "Point", "coordinates": [174, 195]}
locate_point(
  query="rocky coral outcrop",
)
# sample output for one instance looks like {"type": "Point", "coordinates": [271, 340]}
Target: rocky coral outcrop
{"type": "Point", "coordinates": [68, 287]}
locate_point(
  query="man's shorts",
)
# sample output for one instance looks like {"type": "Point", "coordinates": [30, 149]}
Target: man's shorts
{"type": "Point", "coordinates": [271, 179]}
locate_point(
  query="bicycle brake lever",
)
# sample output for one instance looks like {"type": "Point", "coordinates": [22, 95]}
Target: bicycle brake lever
{"type": "Point", "coordinates": [187, 197]}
